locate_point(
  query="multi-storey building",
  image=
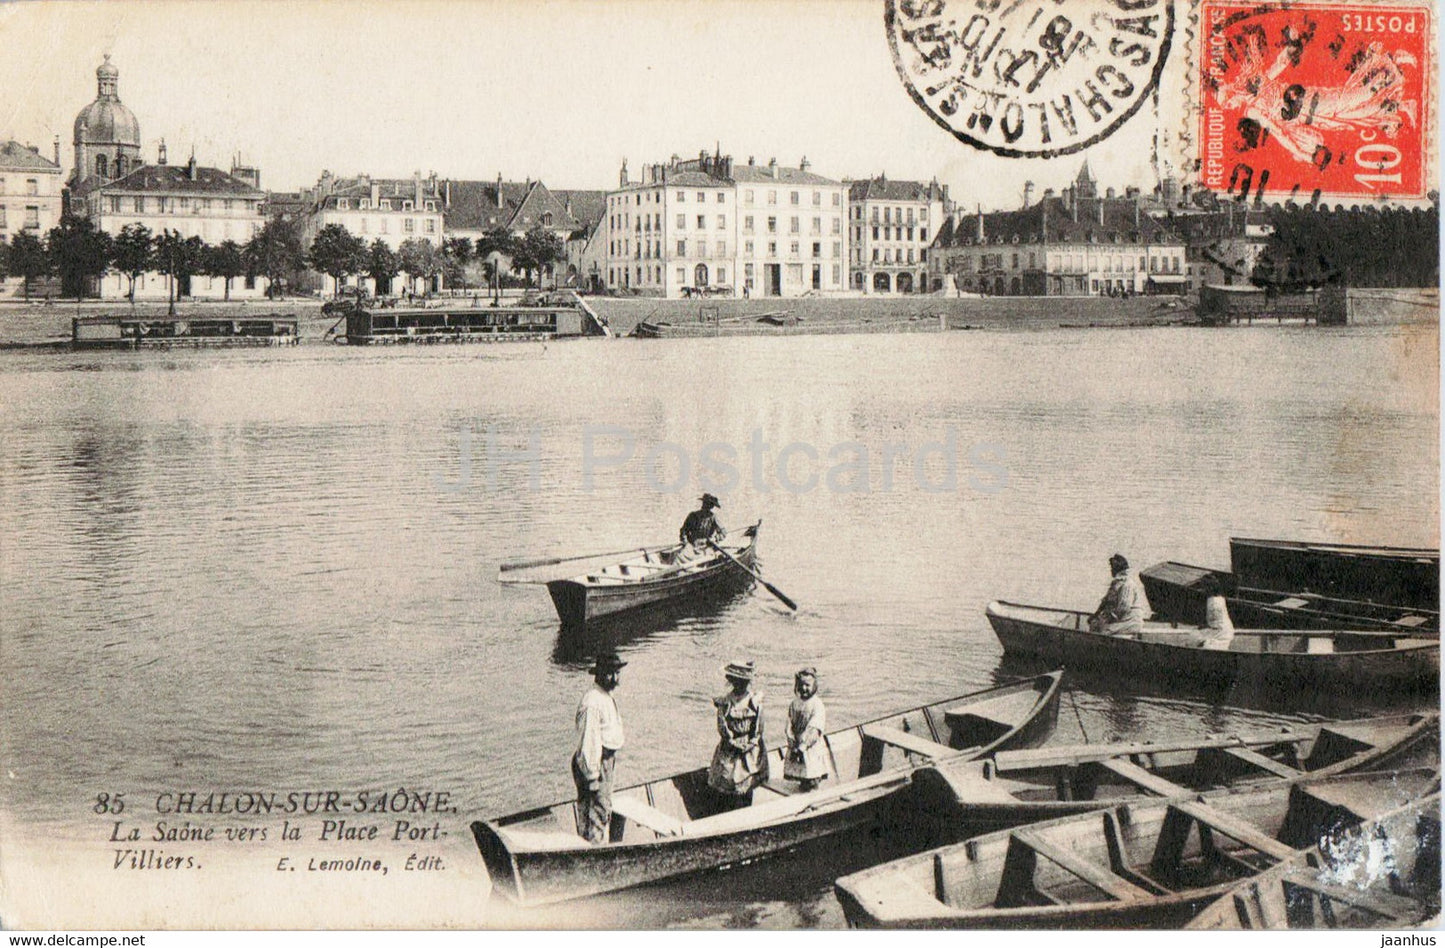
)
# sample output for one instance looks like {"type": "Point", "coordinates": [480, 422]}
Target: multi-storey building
{"type": "Point", "coordinates": [392, 210]}
{"type": "Point", "coordinates": [891, 226]}
{"type": "Point", "coordinates": [472, 209]}
{"type": "Point", "coordinates": [29, 197]}
{"type": "Point", "coordinates": [1079, 244]}
{"type": "Point", "coordinates": [710, 225]}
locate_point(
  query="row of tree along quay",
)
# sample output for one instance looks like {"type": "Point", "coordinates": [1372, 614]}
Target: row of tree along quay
{"type": "Point", "coordinates": [79, 254]}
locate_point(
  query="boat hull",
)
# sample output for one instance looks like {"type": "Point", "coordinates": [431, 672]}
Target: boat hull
{"type": "Point", "coordinates": [1414, 665]}
{"type": "Point", "coordinates": [578, 603]}
{"type": "Point", "coordinates": [1390, 575]}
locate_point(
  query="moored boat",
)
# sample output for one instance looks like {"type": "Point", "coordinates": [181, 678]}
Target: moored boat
{"type": "Point", "coordinates": [1389, 575]}
{"type": "Point", "coordinates": [1017, 787]}
{"type": "Point", "coordinates": [1297, 659]}
{"type": "Point", "coordinates": [1384, 873]}
{"type": "Point", "coordinates": [1152, 864]}
{"type": "Point", "coordinates": [674, 825]}
{"type": "Point", "coordinates": [1177, 592]}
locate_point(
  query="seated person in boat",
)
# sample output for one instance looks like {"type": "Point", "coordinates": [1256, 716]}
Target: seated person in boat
{"type": "Point", "coordinates": [740, 762]}
{"type": "Point", "coordinates": [699, 530]}
{"type": "Point", "coordinates": [599, 738]}
{"type": "Point", "coordinates": [1218, 627]}
{"type": "Point", "coordinates": [807, 760]}
{"type": "Point", "coordinates": [1121, 611]}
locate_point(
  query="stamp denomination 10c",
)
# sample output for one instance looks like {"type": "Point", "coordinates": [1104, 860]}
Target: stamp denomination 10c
{"type": "Point", "coordinates": [1312, 97]}
{"type": "Point", "coordinates": [1030, 78]}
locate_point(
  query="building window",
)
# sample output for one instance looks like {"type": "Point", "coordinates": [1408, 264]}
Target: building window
{"type": "Point", "coordinates": [748, 223]}
{"type": "Point", "coordinates": [772, 225]}
{"type": "Point", "coordinates": [793, 226]}
{"type": "Point", "coordinates": [875, 232]}
{"type": "Point", "coordinates": [837, 200]}
{"type": "Point", "coordinates": [32, 218]}
{"type": "Point", "coordinates": [748, 275]}
{"type": "Point", "coordinates": [682, 248]}
{"type": "Point", "coordinates": [772, 197]}
{"type": "Point", "coordinates": [32, 187]}
{"type": "Point", "coordinates": [772, 248]}
{"type": "Point", "coordinates": [837, 275]}
{"type": "Point", "coordinates": [4, 222]}
{"type": "Point", "coordinates": [722, 248]}
{"type": "Point", "coordinates": [722, 222]}
{"type": "Point", "coordinates": [837, 226]}
{"type": "Point", "coordinates": [793, 198]}
{"type": "Point", "coordinates": [817, 250]}
{"type": "Point", "coordinates": [701, 196]}
{"type": "Point", "coordinates": [722, 274]}
{"type": "Point", "coordinates": [408, 205]}
{"type": "Point", "coordinates": [101, 166]}
{"type": "Point", "coordinates": [837, 249]}
{"type": "Point", "coordinates": [875, 254]}
{"type": "Point", "coordinates": [748, 197]}
{"type": "Point", "coordinates": [431, 226]}
{"type": "Point", "coordinates": [748, 248]}
{"type": "Point", "coordinates": [682, 274]}
{"type": "Point", "coordinates": [408, 225]}
{"type": "Point", "coordinates": [114, 204]}
{"type": "Point", "coordinates": [923, 233]}
{"type": "Point", "coordinates": [432, 206]}
{"type": "Point", "coordinates": [682, 222]}
{"type": "Point", "coordinates": [701, 222]}
{"type": "Point", "coordinates": [342, 204]}
{"type": "Point", "coordinates": [793, 249]}
{"type": "Point", "coordinates": [385, 204]}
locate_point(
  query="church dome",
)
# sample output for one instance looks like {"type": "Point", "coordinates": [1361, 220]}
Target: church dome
{"type": "Point", "coordinates": [106, 121]}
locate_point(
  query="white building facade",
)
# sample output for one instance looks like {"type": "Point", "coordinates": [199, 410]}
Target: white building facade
{"type": "Point", "coordinates": [891, 226]}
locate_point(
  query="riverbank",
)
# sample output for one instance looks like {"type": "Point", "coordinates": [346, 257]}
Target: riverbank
{"type": "Point", "coordinates": [37, 323]}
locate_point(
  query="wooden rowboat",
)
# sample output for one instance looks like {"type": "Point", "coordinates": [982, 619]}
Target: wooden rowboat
{"type": "Point", "coordinates": [1389, 575]}
{"type": "Point", "coordinates": [1149, 864]}
{"type": "Point", "coordinates": [1177, 592]}
{"type": "Point", "coordinates": [647, 577]}
{"type": "Point", "coordinates": [674, 825]}
{"type": "Point", "coordinates": [1384, 873]}
{"type": "Point", "coordinates": [1297, 659]}
{"type": "Point", "coordinates": [1017, 787]}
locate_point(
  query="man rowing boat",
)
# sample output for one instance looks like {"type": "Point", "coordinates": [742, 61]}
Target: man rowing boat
{"type": "Point", "coordinates": [700, 530]}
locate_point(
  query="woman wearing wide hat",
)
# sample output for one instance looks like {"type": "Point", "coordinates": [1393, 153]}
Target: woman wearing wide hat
{"type": "Point", "coordinates": [740, 762]}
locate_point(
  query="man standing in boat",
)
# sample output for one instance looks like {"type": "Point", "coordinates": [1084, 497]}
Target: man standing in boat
{"type": "Point", "coordinates": [1122, 610]}
{"type": "Point", "coordinates": [700, 529]}
{"type": "Point", "coordinates": [599, 738]}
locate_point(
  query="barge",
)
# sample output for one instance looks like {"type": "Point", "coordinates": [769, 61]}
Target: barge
{"type": "Point", "coordinates": [164, 332]}
{"type": "Point", "coordinates": [365, 327]}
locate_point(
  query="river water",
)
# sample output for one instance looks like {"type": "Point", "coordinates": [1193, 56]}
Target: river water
{"type": "Point", "coordinates": [275, 569]}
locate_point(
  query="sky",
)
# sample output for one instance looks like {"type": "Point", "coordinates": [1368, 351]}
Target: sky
{"type": "Point", "coordinates": [560, 90]}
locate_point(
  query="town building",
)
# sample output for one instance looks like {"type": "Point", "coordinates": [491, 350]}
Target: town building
{"type": "Point", "coordinates": [30, 198]}
{"type": "Point", "coordinates": [1223, 244]}
{"type": "Point", "coordinates": [712, 226]}
{"type": "Point", "coordinates": [113, 186]}
{"type": "Point", "coordinates": [1076, 244]}
{"type": "Point", "coordinates": [891, 226]}
{"type": "Point", "coordinates": [392, 210]}
{"type": "Point", "coordinates": [472, 209]}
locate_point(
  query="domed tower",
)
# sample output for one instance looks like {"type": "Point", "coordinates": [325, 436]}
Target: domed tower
{"type": "Point", "coordinates": [107, 135]}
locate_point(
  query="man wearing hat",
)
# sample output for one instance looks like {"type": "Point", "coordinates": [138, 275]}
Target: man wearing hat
{"type": "Point", "coordinates": [700, 528]}
{"type": "Point", "coordinates": [1122, 610]}
{"type": "Point", "coordinates": [599, 738]}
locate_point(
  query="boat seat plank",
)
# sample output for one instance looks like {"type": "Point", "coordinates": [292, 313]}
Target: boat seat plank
{"type": "Point", "coordinates": [909, 742]}
{"type": "Point", "coordinates": [1235, 829]}
{"type": "Point", "coordinates": [1095, 875]}
{"type": "Point", "coordinates": [1374, 899]}
{"type": "Point", "coordinates": [643, 814]}
{"type": "Point", "coordinates": [1269, 764]}
{"type": "Point", "coordinates": [1142, 778]}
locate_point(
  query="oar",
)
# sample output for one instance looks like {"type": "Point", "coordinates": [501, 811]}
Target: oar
{"type": "Point", "coordinates": [782, 597]}
{"type": "Point", "coordinates": [529, 564]}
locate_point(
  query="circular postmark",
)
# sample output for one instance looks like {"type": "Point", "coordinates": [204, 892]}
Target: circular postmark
{"type": "Point", "coordinates": [1030, 78]}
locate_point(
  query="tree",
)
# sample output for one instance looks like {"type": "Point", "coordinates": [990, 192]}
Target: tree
{"type": "Point", "coordinates": [134, 248]}
{"type": "Point", "coordinates": [179, 258]}
{"type": "Point", "coordinates": [225, 261]}
{"type": "Point", "coordinates": [382, 265]}
{"type": "Point", "coordinates": [275, 253]}
{"type": "Point", "coordinates": [27, 259]}
{"type": "Point", "coordinates": [78, 253]}
{"type": "Point", "coordinates": [337, 253]}
{"type": "Point", "coordinates": [456, 254]}
{"type": "Point", "coordinates": [538, 249]}
{"type": "Point", "coordinates": [420, 259]}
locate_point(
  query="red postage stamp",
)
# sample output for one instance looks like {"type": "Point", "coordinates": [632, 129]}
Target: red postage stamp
{"type": "Point", "coordinates": [1299, 98]}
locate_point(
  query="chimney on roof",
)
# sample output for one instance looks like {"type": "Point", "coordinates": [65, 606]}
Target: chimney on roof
{"type": "Point", "coordinates": [1101, 212]}
{"type": "Point", "coordinates": [1074, 202]}
{"type": "Point", "coordinates": [1044, 224]}
{"type": "Point", "coordinates": [448, 187]}
{"type": "Point", "coordinates": [750, 161]}
{"type": "Point", "coordinates": [772, 167]}
{"type": "Point", "coordinates": [1137, 202]}
{"type": "Point", "coordinates": [1028, 193]}
{"type": "Point", "coordinates": [57, 149]}
{"type": "Point", "coordinates": [161, 153]}
{"type": "Point", "coordinates": [375, 193]}
{"type": "Point", "coordinates": [191, 167]}
{"type": "Point", "coordinates": [803, 165]}
{"type": "Point", "coordinates": [1109, 193]}
{"type": "Point", "coordinates": [980, 223]}
{"type": "Point", "coordinates": [1048, 194]}
{"type": "Point", "coordinates": [621, 179]}
{"type": "Point", "coordinates": [499, 183]}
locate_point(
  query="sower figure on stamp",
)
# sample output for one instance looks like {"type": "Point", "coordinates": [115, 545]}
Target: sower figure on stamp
{"type": "Point", "coordinates": [740, 762]}
{"type": "Point", "coordinates": [599, 738]}
{"type": "Point", "coordinates": [1121, 611]}
{"type": "Point", "coordinates": [807, 760]}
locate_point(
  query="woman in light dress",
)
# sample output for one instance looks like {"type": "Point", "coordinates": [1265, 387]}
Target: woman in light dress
{"type": "Point", "coordinates": [740, 762]}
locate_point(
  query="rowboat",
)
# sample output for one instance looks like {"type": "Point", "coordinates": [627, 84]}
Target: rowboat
{"type": "Point", "coordinates": [1298, 659]}
{"type": "Point", "coordinates": [1153, 864]}
{"type": "Point", "coordinates": [1384, 873]}
{"type": "Point", "coordinates": [1177, 592]}
{"type": "Point", "coordinates": [1401, 576]}
{"type": "Point", "coordinates": [646, 577]}
{"type": "Point", "coordinates": [676, 825]}
{"type": "Point", "coordinates": [1017, 787]}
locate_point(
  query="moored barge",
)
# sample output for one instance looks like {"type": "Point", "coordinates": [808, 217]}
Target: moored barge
{"type": "Point", "coordinates": [163, 332]}
{"type": "Point", "coordinates": [366, 327]}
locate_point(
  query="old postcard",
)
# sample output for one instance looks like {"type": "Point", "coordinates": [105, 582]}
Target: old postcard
{"type": "Point", "coordinates": [778, 465]}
